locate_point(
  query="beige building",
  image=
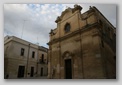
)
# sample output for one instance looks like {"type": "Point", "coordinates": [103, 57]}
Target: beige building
{"type": "Point", "coordinates": [42, 61]}
{"type": "Point", "coordinates": [82, 46]}
{"type": "Point", "coordinates": [22, 59]}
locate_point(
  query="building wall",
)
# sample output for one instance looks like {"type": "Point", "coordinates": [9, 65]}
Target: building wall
{"type": "Point", "coordinates": [13, 58]}
{"type": "Point", "coordinates": [83, 44]}
{"type": "Point", "coordinates": [108, 50]}
{"type": "Point", "coordinates": [43, 64]}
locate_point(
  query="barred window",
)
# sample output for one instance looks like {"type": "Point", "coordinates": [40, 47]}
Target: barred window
{"type": "Point", "coordinates": [33, 54]}
{"type": "Point", "coordinates": [22, 51]}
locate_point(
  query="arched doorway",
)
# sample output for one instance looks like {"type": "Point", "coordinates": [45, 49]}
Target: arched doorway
{"type": "Point", "coordinates": [67, 56]}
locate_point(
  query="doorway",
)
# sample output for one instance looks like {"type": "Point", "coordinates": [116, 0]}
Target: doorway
{"type": "Point", "coordinates": [41, 74]}
{"type": "Point", "coordinates": [32, 72]}
{"type": "Point", "coordinates": [21, 70]}
{"type": "Point", "coordinates": [68, 69]}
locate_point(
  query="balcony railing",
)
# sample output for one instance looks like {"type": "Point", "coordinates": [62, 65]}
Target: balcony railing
{"type": "Point", "coordinates": [41, 62]}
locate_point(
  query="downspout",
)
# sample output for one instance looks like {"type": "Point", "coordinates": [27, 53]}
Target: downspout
{"type": "Point", "coordinates": [37, 61]}
{"type": "Point", "coordinates": [27, 61]}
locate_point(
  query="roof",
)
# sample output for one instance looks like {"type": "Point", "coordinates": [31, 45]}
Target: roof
{"type": "Point", "coordinates": [22, 41]}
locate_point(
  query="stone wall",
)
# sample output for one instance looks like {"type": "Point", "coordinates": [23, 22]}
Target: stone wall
{"type": "Point", "coordinates": [83, 44]}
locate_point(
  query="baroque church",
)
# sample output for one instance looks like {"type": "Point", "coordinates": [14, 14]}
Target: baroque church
{"type": "Point", "coordinates": [82, 46]}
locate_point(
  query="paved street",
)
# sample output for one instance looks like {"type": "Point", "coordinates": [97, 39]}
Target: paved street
{"type": "Point", "coordinates": [43, 77]}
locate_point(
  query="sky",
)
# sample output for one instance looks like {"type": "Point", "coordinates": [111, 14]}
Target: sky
{"type": "Point", "coordinates": [33, 22]}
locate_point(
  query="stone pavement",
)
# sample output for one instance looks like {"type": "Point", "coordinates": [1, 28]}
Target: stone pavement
{"type": "Point", "coordinates": [40, 77]}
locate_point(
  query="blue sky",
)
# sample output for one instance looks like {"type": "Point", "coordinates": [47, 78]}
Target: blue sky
{"type": "Point", "coordinates": [36, 20]}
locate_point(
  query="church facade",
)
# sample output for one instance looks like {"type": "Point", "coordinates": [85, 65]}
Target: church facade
{"type": "Point", "coordinates": [82, 46]}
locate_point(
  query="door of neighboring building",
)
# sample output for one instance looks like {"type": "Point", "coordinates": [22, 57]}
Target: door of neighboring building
{"type": "Point", "coordinates": [32, 72]}
{"type": "Point", "coordinates": [68, 69]}
{"type": "Point", "coordinates": [21, 70]}
{"type": "Point", "coordinates": [41, 74]}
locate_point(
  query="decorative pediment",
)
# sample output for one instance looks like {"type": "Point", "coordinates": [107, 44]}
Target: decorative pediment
{"type": "Point", "coordinates": [58, 19]}
{"type": "Point", "coordinates": [66, 11]}
{"type": "Point", "coordinates": [71, 10]}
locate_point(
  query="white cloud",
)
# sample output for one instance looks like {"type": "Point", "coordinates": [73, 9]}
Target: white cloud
{"type": "Point", "coordinates": [40, 19]}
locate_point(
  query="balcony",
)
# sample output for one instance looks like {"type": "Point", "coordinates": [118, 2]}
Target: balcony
{"type": "Point", "coordinates": [41, 61]}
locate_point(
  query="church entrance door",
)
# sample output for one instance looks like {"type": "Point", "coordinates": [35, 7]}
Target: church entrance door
{"type": "Point", "coordinates": [68, 69]}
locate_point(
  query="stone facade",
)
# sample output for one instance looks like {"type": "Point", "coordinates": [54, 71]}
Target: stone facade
{"type": "Point", "coordinates": [83, 46]}
{"type": "Point", "coordinates": [21, 59]}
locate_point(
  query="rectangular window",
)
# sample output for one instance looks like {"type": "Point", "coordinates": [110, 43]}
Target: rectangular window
{"type": "Point", "coordinates": [102, 43]}
{"type": "Point", "coordinates": [33, 54]}
{"type": "Point", "coordinates": [40, 60]}
{"type": "Point", "coordinates": [105, 29]}
{"type": "Point", "coordinates": [22, 51]}
{"type": "Point", "coordinates": [111, 33]}
{"type": "Point", "coordinates": [42, 57]}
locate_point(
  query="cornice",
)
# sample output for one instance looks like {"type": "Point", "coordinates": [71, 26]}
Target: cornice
{"type": "Point", "coordinates": [85, 28]}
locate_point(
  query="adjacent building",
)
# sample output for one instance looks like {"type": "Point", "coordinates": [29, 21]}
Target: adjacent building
{"type": "Point", "coordinates": [23, 59]}
{"type": "Point", "coordinates": [82, 46]}
{"type": "Point", "coordinates": [42, 61]}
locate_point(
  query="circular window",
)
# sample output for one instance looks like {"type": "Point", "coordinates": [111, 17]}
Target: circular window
{"type": "Point", "coordinates": [67, 27]}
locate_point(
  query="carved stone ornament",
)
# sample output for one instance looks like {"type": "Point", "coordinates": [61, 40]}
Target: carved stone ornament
{"type": "Point", "coordinates": [67, 55]}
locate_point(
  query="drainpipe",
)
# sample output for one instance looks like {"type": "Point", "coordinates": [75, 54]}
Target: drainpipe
{"type": "Point", "coordinates": [37, 61]}
{"type": "Point", "coordinates": [27, 61]}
